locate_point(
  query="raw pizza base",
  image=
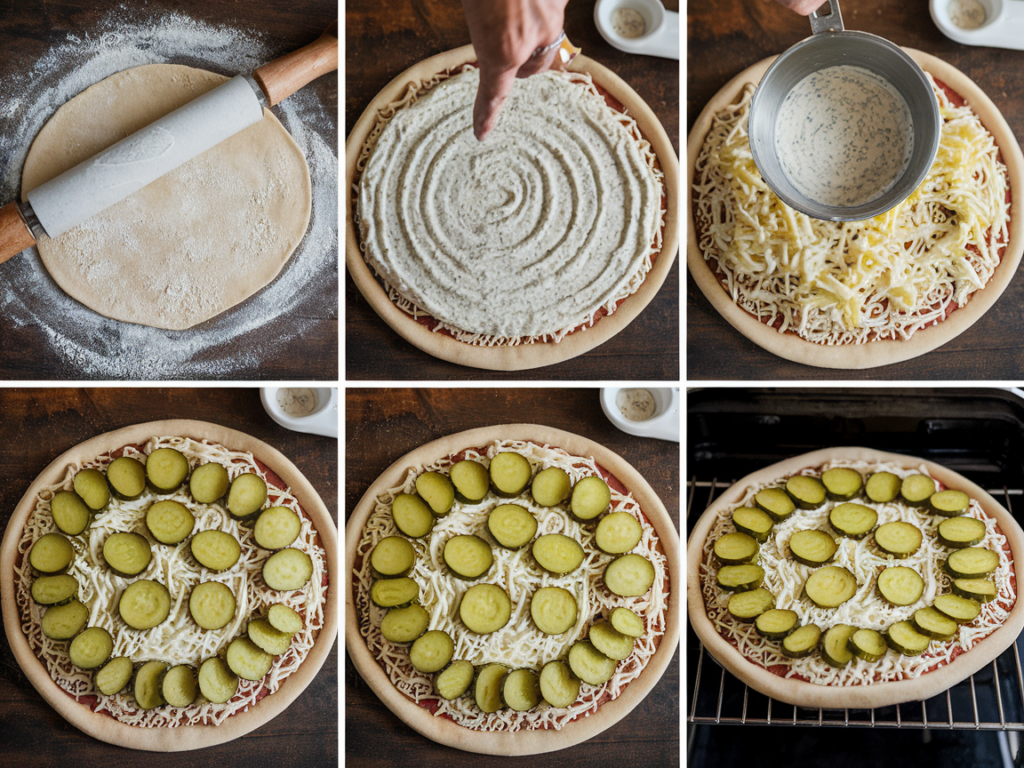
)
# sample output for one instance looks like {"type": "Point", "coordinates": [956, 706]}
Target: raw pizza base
{"type": "Point", "coordinates": [447, 732]}
{"type": "Point", "coordinates": [182, 738]}
{"type": "Point", "coordinates": [524, 356]}
{"type": "Point", "coordinates": [192, 244]}
{"type": "Point", "coordinates": [804, 694]}
{"type": "Point", "coordinates": [874, 353]}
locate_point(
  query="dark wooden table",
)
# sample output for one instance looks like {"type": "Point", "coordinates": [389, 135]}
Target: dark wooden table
{"type": "Point", "coordinates": [40, 424]}
{"type": "Point", "coordinates": [383, 40]}
{"type": "Point", "coordinates": [728, 36]}
{"type": "Point", "coordinates": [382, 425]}
{"type": "Point", "coordinates": [29, 31]}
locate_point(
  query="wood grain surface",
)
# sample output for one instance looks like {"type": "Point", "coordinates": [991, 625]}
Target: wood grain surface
{"type": "Point", "coordinates": [383, 41]}
{"type": "Point", "coordinates": [40, 424]}
{"type": "Point", "coordinates": [30, 29]}
{"type": "Point", "coordinates": [382, 425]}
{"type": "Point", "coordinates": [728, 36]}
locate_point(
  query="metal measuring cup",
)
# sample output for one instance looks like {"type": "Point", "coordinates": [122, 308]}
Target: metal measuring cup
{"type": "Point", "coordinates": [831, 45]}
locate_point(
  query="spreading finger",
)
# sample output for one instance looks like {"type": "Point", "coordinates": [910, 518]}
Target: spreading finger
{"type": "Point", "coordinates": [490, 97]}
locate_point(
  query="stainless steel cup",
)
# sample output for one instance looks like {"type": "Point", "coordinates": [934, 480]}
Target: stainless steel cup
{"type": "Point", "coordinates": [831, 45]}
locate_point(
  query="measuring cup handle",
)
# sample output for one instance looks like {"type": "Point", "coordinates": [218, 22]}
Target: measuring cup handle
{"type": "Point", "coordinates": [831, 22]}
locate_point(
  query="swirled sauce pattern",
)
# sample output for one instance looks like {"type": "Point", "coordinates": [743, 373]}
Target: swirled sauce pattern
{"type": "Point", "coordinates": [528, 233]}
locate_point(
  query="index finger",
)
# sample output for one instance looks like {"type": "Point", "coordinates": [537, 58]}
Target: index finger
{"type": "Point", "coordinates": [495, 86]}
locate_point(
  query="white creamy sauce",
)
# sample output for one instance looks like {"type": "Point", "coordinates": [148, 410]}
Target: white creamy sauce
{"type": "Point", "coordinates": [296, 401]}
{"type": "Point", "coordinates": [628, 23]}
{"type": "Point", "coordinates": [966, 14]}
{"type": "Point", "coordinates": [635, 404]}
{"type": "Point", "coordinates": [527, 233]}
{"type": "Point", "coordinates": [844, 136]}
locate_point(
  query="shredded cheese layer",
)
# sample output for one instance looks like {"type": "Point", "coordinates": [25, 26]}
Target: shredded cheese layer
{"type": "Point", "coordinates": [519, 644]}
{"type": "Point", "coordinates": [854, 282]}
{"type": "Point", "coordinates": [785, 577]}
{"type": "Point", "coordinates": [178, 640]}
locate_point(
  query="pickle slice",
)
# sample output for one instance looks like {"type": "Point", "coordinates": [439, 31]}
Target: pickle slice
{"type": "Point", "coordinates": [558, 686]}
{"type": "Point", "coordinates": [403, 625]}
{"type": "Point", "coordinates": [114, 676]}
{"type": "Point", "coordinates": [91, 486]}
{"type": "Point", "coordinates": [215, 550]}
{"type": "Point", "coordinates": [412, 516]}
{"type": "Point", "coordinates": [830, 587]}
{"type": "Point", "coordinates": [54, 590]}
{"type": "Point", "coordinates": [949, 503]}
{"type": "Point", "coordinates": [867, 644]}
{"type": "Point", "coordinates": [148, 688]}
{"type": "Point", "coordinates": [454, 681]}
{"type": "Point", "coordinates": [971, 563]}
{"type": "Point", "coordinates": [835, 645]}
{"type": "Point", "coordinates": [898, 539]}
{"type": "Point", "coordinates": [754, 522]}
{"type": "Point", "coordinates": [511, 525]}
{"type": "Point", "coordinates": [268, 639]}
{"type": "Point", "coordinates": [209, 483]}
{"type": "Point", "coordinates": [900, 585]}
{"type": "Point", "coordinates": [735, 548]}
{"type": "Point", "coordinates": [627, 622]}
{"type": "Point", "coordinates": [982, 590]}
{"type": "Point", "coordinates": [882, 487]}
{"type": "Point", "coordinates": [591, 496]}
{"type": "Point", "coordinates": [776, 502]}
{"type": "Point", "coordinates": [471, 482]}
{"type": "Point", "coordinates": [551, 487]}
{"type": "Point", "coordinates": [853, 520]}
{"type": "Point", "coordinates": [127, 554]}
{"type": "Point", "coordinates": [169, 522]}
{"type": "Point", "coordinates": [806, 492]}
{"type": "Point", "coordinates": [127, 477]}
{"type": "Point", "coordinates": [276, 528]}
{"type": "Point", "coordinates": [437, 491]}
{"type": "Point", "coordinates": [166, 469]}
{"type": "Point", "coordinates": [70, 514]}
{"type": "Point", "coordinates": [933, 623]}
{"type": "Point", "coordinates": [432, 651]}
{"type": "Point", "coordinates": [144, 604]}
{"type": "Point", "coordinates": [618, 533]}
{"type": "Point", "coordinates": [812, 547]}
{"type": "Point", "coordinates": [487, 692]}
{"type": "Point", "coordinates": [629, 576]}
{"type": "Point", "coordinates": [962, 610]}
{"type": "Point", "coordinates": [609, 641]}
{"type": "Point", "coordinates": [777, 623]}
{"type": "Point", "coordinates": [91, 648]}
{"type": "Point", "coordinates": [216, 680]}
{"type": "Point", "coordinates": [51, 554]}
{"type": "Point", "coordinates": [248, 660]}
{"type": "Point", "coordinates": [520, 691]}
{"type": "Point", "coordinates": [392, 556]}
{"type": "Point", "coordinates": [510, 474]}
{"type": "Point", "coordinates": [393, 593]}
{"type": "Point", "coordinates": [485, 608]}
{"type": "Point", "coordinates": [246, 496]}
{"type": "Point", "coordinates": [287, 570]}
{"type": "Point", "coordinates": [468, 557]}
{"type": "Point", "coordinates": [740, 578]}
{"type": "Point", "coordinates": [211, 604]}
{"type": "Point", "coordinates": [179, 686]}
{"type": "Point", "coordinates": [557, 553]}
{"type": "Point", "coordinates": [747, 606]}
{"type": "Point", "coordinates": [917, 489]}
{"type": "Point", "coordinates": [589, 664]}
{"type": "Point", "coordinates": [960, 532]}
{"type": "Point", "coordinates": [284, 619]}
{"type": "Point", "coordinates": [802, 642]}
{"type": "Point", "coordinates": [842, 483]}
{"type": "Point", "coordinates": [553, 609]}
{"type": "Point", "coordinates": [63, 622]}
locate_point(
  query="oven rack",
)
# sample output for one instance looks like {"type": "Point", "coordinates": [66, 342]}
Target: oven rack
{"type": "Point", "coordinates": [991, 699]}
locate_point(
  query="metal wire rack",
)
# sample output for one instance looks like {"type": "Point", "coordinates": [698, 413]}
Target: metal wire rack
{"type": "Point", "coordinates": [991, 699]}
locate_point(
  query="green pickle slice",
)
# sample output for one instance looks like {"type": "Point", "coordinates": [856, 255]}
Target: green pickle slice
{"type": "Point", "coordinates": [551, 487]}
{"type": "Point", "coordinates": [882, 487]}
{"type": "Point", "coordinates": [91, 486]}
{"type": "Point", "coordinates": [209, 483]}
{"type": "Point", "coordinates": [949, 503]}
{"type": "Point", "coordinates": [812, 547]}
{"type": "Point", "coordinates": [842, 483]}
{"type": "Point", "coordinates": [166, 469]}
{"type": "Point", "coordinates": [835, 645]}
{"type": "Point", "coordinates": [960, 532]}
{"type": "Point", "coordinates": [470, 481]}
{"type": "Point", "coordinates": [801, 642]}
{"type": "Point", "coordinates": [898, 539]}
{"type": "Point", "coordinates": [806, 492]}
{"type": "Point", "coordinates": [756, 523]}
{"type": "Point", "coordinates": [776, 502]}
{"type": "Point", "coordinates": [853, 520]}
{"type": "Point", "coordinates": [246, 495]}
{"type": "Point", "coordinates": [591, 496]}
{"type": "Point", "coordinates": [830, 587]}
{"type": "Point", "coordinates": [70, 514]}
{"type": "Point", "coordinates": [127, 477]}
{"type": "Point", "coordinates": [437, 491]}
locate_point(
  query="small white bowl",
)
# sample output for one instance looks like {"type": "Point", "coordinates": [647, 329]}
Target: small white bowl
{"type": "Point", "coordinates": [663, 425]}
{"type": "Point", "coordinates": [661, 28]}
{"type": "Point", "coordinates": [322, 421]}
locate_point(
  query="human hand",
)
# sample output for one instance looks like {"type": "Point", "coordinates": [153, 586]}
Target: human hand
{"type": "Point", "coordinates": [803, 7]}
{"type": "Point", "coordinates": [505, 33]}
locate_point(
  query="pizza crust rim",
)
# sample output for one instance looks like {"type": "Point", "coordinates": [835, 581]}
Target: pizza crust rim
{"type": "Point", "coordinates": [188, 737]}
{"type": "Point", "coordinates": [444, 731]}
{"type": "Point", "coordinates": [523, 356]}
{"type": "Point", "coordinates": [804, 694]}
{"type": "Point", "coordinates": [876, 353]}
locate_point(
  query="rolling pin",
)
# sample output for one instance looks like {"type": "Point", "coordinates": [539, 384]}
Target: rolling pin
{"type": "Point", "coordinates": [97, 183]}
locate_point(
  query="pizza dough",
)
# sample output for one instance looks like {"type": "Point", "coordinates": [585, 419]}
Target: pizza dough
{"type": "Point", "coordinates": [192, 244]}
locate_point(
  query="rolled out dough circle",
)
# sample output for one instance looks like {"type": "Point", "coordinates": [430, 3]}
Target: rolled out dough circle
{"type": "Point", "coordinates": [192, 244]}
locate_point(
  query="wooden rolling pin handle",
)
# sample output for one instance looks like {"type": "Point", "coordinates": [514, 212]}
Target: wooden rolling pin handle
{"type": "Point", "coordinates": [15, 236]}
{"type": "Point", "coordinates": [281, 78]}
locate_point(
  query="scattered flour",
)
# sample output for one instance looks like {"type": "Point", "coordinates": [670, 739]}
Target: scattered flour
{"type": "Point", "coordinates": [234, 344]}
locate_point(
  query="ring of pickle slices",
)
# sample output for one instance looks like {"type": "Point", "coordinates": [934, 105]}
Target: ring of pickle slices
{"type": "Point", "coordinates": [146, 603]}
{"type": "Point", "coordinates": [486, 607]}
{"type": "Point", "coordinates": [829, 586]}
